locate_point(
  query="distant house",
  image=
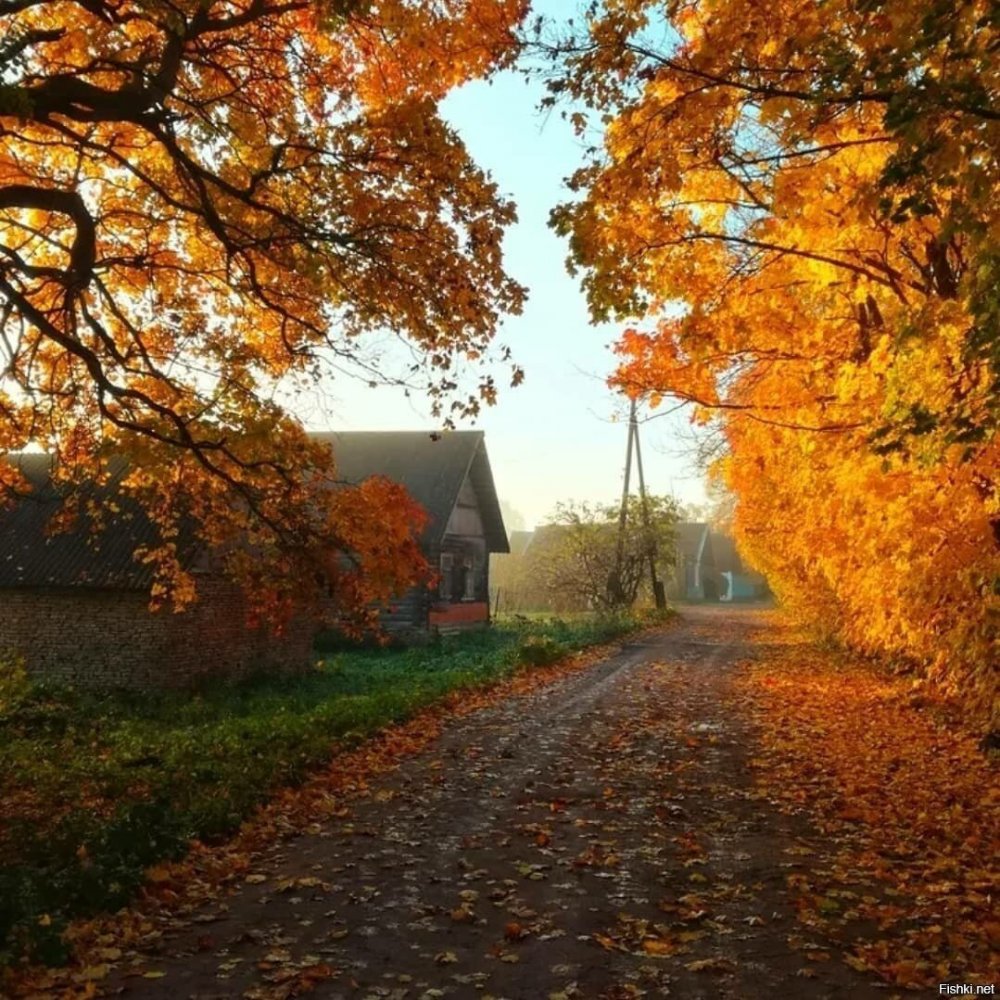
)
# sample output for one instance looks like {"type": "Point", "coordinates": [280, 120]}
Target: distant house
{"type": "Point", "coordinates": [449, 475]}
{"type": "Point", "coordinates": [708, 567]}
{"type": "Point", "coordinates": [507, 573]}
{"type": "Point", "coordinates": [736, 581]}
{"type": "Point", "coordinates": [519, 542]}
{"type": "Point", "coordinates": [75, 605]}
{"type": "Point", "coordinates": [695, 577]}
{"type": "Point", "coordinates": [543, 550]}
{"type": "Point", "coordinates": [521, 580]}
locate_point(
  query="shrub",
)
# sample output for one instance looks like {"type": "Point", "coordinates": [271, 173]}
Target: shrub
{"type": "Point", "coordinates": [538, 650]}
{"type": "Point", "coordinates": [14, 683]}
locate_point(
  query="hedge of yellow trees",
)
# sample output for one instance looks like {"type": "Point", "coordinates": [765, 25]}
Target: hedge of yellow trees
{"type": "Point", "coordinates": [800, 199]}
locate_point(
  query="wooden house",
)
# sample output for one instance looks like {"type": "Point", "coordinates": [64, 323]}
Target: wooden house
{"type": "Point", "coordinates": [74, 606]}
{"type": "Point", "coordinates": [449, 475]}
{"type": "Point", "coordinates": [695, 577]}
{"type": "Point", "coordinates": [737, 582]}
{"type": "Point", "coordinates": [708, 567]}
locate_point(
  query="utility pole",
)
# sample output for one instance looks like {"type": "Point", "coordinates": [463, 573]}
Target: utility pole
{"type": "Point", "coordinates": [658, 594]}
{"type": "Point", "coordinates": [614, 583]}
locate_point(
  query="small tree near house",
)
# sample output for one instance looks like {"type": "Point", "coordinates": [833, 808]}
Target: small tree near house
{"type": "Point", "coordinates": [581, 557]}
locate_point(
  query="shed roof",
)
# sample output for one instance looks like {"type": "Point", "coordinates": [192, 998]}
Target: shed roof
{"type": "Point", "coordinates": [31, 556]}
{"type": "Point", "coordinates": [431, 466]}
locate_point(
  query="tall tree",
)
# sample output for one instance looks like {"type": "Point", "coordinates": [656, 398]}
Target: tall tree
{"type": "Point", "coordinates": [204, 200]}
{"type": "Point", "coordinates": [815, 183]}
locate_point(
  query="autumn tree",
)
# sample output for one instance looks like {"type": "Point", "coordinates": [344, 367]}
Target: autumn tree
{"type": "Point", "coordinates": [794, 205]}
{"type": "Point", "coordinates": [584, 557]}
{"type": "Point", "coordinates": [206, 203]}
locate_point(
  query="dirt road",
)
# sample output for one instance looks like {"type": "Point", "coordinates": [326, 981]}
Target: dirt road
{"type": "Point", "coordinates": [600, 838]}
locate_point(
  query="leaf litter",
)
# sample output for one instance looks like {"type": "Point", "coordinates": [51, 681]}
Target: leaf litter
{"type": "Point", "coordinates": [616, 827]}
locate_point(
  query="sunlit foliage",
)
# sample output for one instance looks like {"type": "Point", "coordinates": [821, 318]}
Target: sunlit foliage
{"type": "Point", "coordinates": [202, 201]}
{"type": "Point", "coordinates": [587, 555]}
{"type": "Point", "coordinates": [800, 198]}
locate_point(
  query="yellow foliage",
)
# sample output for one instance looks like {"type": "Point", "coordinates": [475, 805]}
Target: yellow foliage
{"type": "Point", "coordinates": [800, 200]}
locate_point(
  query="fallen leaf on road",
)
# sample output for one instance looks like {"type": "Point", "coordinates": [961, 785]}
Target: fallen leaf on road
{"type": "Point", "coordinates": [710, 965]}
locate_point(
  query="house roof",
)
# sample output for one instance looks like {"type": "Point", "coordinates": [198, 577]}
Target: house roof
{"type": "Point", "coordinates": [432, 468]}
{"type": "Point", "coordinates": [727, 558]}
{"type": "Point", "coordinates": [691, 539]}
{"type": "Point", "coordinates": [519, 541]}
{"type": "Point", "coordinates": [31, 556]}
{"type": "Point", "coordinates": [547, 534]}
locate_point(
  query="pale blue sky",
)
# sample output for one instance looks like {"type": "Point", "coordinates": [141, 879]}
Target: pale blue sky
{"type": "Point", "coordinates": [553, 437]}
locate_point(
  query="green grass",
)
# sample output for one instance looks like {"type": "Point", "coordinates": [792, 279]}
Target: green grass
{"type": "Point", "coordinates": [94, 789]}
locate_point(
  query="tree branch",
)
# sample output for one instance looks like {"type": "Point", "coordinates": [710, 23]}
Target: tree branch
{"type": "Point", "coordinates": [84, 250]}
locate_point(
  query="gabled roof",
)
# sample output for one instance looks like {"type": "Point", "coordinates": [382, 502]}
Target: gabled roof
{"type": "Point", "coordinates": [727, 558]}
{"type": "Point", "coordinates": [692, 539]}
{"type": "Point", "coordinates": [547, 534]}
{"type": "Point", "coordinates": [432, 468]}
{"type": "Point", "coordinates": [32, 557]}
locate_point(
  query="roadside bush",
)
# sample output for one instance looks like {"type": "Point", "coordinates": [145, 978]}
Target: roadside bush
{"type": "Point", "coordinates": [14, 683]}
{"type": "Point", "coordinates": [539, 650]}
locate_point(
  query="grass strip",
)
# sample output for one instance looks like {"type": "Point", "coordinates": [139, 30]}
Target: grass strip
{"type": "Point", "coordinates": [96, 788]}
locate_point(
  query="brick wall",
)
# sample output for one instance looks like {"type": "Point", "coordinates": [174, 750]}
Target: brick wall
{"type": "Point", "coordinates": [106, 638]}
